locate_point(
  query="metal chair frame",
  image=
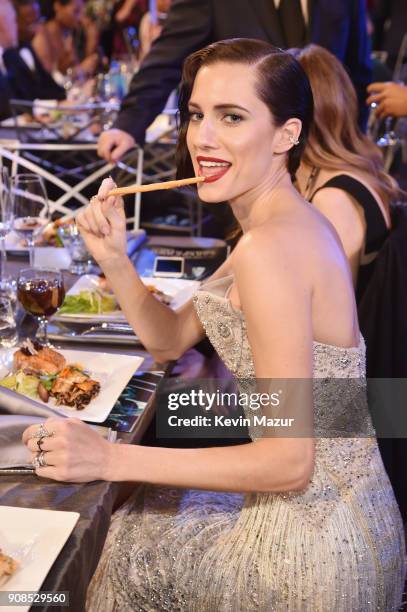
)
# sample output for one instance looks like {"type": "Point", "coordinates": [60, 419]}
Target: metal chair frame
{"type": "Point", "coordinates": [22, 155]}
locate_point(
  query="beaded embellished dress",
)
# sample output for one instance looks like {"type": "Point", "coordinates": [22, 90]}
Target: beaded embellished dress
{"type": "Point", "coordinates": [337, 546]}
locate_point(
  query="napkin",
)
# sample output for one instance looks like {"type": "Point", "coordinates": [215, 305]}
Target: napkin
{"type": "Point", "coordinates": [17, 412]}
{"type": "Point", "coordinates": [13, 453]}
{"type": "Point", "coordinates": [12, 402]}
{"type": "Point", "coordinates": [54, 257]}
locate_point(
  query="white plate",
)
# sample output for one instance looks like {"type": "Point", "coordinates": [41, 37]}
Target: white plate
{"type": "Point", "coordinates": [14, 242]}
{"type": "Point", "coordinates": [179, 289]}
{"type": "Point", "coordinates": [112, 370]}
{"type": "Point", "coordinates": [34, 538]}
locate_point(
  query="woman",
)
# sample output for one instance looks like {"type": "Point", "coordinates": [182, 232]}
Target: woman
{"type": "Point", "coordinates": [54, 43]}
{"type": "Point", "coordinates": [279, 523]}
{"type": "Point", "coordinates": [150, 30]}
{"type": "Point", "coordinates": [341, 171]}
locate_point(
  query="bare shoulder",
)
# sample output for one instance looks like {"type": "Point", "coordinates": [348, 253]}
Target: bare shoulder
{"type": "Point", "coordinates": [291, 241]}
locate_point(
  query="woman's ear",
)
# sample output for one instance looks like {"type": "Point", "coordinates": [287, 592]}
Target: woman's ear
{"type": "Point", "coordinates": [289, 136]}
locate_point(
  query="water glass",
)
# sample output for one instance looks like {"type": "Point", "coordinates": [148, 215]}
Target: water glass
{"type": "Point", "coordinates": [81, 260]}
{"type": "Point", "coordinates": [8, 325]}
{"type": "Point", "coordinates": [6, 222]}
{"type": "Point", "coordinates": [31, 210]}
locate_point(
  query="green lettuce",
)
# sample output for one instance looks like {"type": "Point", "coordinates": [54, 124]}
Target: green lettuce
{"type": "Point", "coordinates": [22, 383]}
{"type": "Point", "coordinates": [89, 302]}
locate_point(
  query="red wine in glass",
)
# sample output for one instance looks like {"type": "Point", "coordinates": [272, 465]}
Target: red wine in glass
{"type": "Point", "coordinates": [41, 292]}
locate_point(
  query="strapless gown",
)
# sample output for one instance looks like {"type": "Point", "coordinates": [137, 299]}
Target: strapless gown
{"type": "Point", "coordinates": [337, 546]}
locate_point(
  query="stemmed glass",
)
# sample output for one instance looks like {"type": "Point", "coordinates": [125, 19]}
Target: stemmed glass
{"type": "Point", "coordinates": [389, 138]}
{"type": "Point", "coordinates": [41, 292]}
{"type": "Point", "coordinates": [31, 211]}
{"type": "Point", "coordinates": [6, 223]}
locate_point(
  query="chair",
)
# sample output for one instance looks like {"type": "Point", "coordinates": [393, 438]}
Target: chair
{"type": "Point", "coordinates": [159, 165]}
{"type": "Point", "coordinates": [64, 153]}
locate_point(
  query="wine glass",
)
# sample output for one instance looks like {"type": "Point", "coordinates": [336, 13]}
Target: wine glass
{"type": "Point", "coordinates": [31, 211]}
{"type": "Point", "coordinates": [389, 138]}
{"type": "Point", "coordinates": [6, 223]}
{"type": "Point", "coordinates": [41, 292]}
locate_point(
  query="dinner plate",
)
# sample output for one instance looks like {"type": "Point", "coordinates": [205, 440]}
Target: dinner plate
{"type": "Point", "coordinates": [14, 242]}
{"type": "Point", "coordinates": [113, 371]}
{"type": "Point", "coordinates": [34, 538]}
{"type": "Point", "coordinates": [180, 290]}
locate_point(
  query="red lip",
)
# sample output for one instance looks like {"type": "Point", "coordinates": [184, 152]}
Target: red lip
{"type": "Point", "coordinates": [211, 178]}
{"type": "Point", "coordinates": [214, 177]}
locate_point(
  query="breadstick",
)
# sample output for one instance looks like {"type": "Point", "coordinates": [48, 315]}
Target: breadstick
{"type": "Point", "coordinates": [120, 191]}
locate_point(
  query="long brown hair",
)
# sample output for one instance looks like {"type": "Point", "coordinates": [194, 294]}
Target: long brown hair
{"type": "Point", "coordinates": [281, 84]}
{"type": "Point", "coordinates": [335, 141]}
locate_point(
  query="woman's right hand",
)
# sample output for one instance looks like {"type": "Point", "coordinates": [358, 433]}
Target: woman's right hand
{"type": "Point", "coordinates": [102, 225]}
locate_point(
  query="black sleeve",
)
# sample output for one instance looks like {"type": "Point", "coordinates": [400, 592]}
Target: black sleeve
{"type": "Point", "coordinates": [5, 95]}
{"type": "Point", "coordinates": [187, 28]}
{"type": "Point", "coordinates": [26, 84]}
{"type": "Point", "coordinates": [357, 58]}
{"type": "Point", "coordinates": [48, 88]}
{"type": "Point", "coordinates": [18, 74]}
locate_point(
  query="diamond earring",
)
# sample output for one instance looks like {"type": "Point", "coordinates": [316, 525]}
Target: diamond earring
{"type": "Point", "coordinates": [293, 140]}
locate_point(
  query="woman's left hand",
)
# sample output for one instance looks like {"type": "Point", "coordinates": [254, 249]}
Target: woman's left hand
{"type": "Point", "coordinates": [73, 453]}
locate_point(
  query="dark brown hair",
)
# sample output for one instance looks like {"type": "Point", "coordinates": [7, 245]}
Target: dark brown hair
{"type": "Point", "coordinates": [282, 85]}
{"type": "Point", "coordinates": [335, 142]}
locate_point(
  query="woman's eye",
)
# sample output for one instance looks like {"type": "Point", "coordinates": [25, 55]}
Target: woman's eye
{"type": "Point", "coordinates": [195, 116]}
{"type": "Point", "coordinates": [233, 118]}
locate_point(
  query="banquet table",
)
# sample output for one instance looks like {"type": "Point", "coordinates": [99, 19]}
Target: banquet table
{"type": "Point", "coordinates": [94, 501]}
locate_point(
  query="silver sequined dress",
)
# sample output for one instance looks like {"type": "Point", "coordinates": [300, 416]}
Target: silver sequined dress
{"type": "Point", "coordinates": [338, 546]}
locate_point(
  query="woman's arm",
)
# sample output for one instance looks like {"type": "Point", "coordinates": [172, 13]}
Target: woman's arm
{"type": "Point", "coordinates": [165, 334]}
{"type": "Point", "coordinates": [278, 315]}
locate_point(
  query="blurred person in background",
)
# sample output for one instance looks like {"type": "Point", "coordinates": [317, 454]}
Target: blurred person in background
{"type": "Point", "coordinates": [22, 75]}
{"type": "Point", "coordinates": [389, 18]}
{"type": "Point", "coordinates": [341, 172]}
{"type": "Point", "coordinates": [35, 82]}
{"type": "Point", "coordinates": [150, 28]}
{"type": "Point", "coordinates": [191, 24]}
{"type": "Point", "coordinates": [120, 20]}
{"type": "Point", "coordinates": [55, 41]}
{"type": "Point", "coordinates": [8, 40]}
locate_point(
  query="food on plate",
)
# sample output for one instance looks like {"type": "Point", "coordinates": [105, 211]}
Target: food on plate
{"type": "Point", "coordinates": [34, 358]}
{"type": "Point", "coordinates": [8, 566]}
{"type": "Point", "coordinates": [48, 231]}
{"type": "Point", "coordinates": [160, 295]}
{"type": "Point", "coordinates": [42, 373]}
{"type": "Point", "coordinates": [73, 387]}
{"type": "Point", "coordinates": [92, 302]}
{"type": "Point", "coordinates": [50, 234]}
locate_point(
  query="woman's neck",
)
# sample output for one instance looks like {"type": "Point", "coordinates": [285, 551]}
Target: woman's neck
{"type": "Point", "coordinates": [257, 206]}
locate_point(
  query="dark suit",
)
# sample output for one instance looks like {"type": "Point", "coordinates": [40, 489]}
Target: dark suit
{"type": "Point", "coordinates": [27, 84]}
{"type": "Point", "coordinates": [5, 94]}
{"type": "Point", "coordinates": [338, 25]}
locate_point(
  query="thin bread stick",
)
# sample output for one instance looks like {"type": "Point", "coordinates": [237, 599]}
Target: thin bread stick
{"type": "Point", "coordinates": [120, 191]}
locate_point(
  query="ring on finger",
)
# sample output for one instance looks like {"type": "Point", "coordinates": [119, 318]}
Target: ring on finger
{"type": "Point", "coordinates": [36, 461]}
{"type": "Point", "coordinates": [41, 459]}
{"type": "Point", "coordinates": [40, 442]}
{"type": "Point", "coordinates": [42, 432]}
